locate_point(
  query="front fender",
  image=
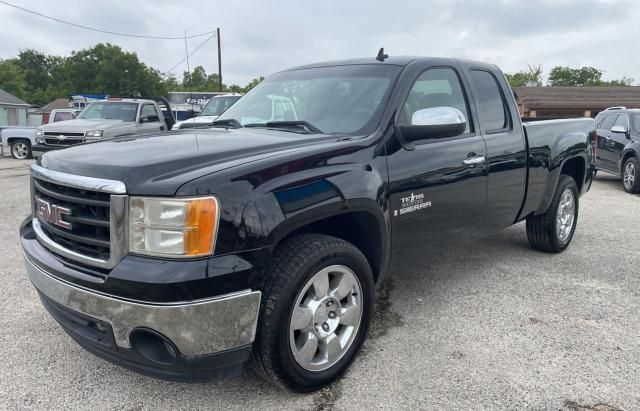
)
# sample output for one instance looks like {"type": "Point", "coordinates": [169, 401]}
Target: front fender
{"type": "Point", "coordinates": [295, 200]}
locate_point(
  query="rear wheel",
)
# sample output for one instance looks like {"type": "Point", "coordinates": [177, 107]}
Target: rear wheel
{"type": "Point", "coordinates": [316, 308]}
{"type": "Point", "coordinates": [553, 231]}
{"type": "Point", "coordinates": [631, 175]}
{"type": "Point", "coordinates": [21, 149]}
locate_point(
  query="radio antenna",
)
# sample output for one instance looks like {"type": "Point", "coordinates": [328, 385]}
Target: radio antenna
{"type": "Point", "coordinates": [381, 56]}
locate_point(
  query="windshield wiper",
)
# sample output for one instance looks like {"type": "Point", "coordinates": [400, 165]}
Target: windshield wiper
{"type": "Point", "coordinates": [295, 125]}
{"type": "Point", "coordinates": [227, 123]}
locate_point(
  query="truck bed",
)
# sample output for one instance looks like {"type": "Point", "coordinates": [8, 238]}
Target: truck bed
{"type": "Point", "coordinates": [549, 143]}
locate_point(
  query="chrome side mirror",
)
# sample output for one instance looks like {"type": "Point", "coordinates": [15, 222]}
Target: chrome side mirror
{"type": "Point", "coordinates": [433, 123]}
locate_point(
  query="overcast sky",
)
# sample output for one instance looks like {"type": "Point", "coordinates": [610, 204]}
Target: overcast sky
{"type": "Point", "coordinates": [262, 37]}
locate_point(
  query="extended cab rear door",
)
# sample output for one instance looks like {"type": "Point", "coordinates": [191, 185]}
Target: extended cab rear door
{"type": "Point", "coordinates": [506, 155]}
{"type": "Point", "coordinates": [439, 183]}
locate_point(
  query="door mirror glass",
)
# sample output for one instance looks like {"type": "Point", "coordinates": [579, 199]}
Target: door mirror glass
{"type": "Point", "coordinates": [433, 123]}
{"type": "Point", "coordinates": [619, 129]}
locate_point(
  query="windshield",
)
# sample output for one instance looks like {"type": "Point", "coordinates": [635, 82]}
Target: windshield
{"type": "Point", "coordinates": [336, 100]}
{"type": "Point", "coordinates": [110, 111]}
{"type": "Point", "coordinates": [218, 105]}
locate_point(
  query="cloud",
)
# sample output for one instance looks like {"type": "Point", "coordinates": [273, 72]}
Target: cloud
{"type": "Point", "coordinates": [259, 38]}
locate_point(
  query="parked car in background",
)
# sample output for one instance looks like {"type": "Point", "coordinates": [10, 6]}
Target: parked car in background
{"type": "Point", "coordinates": [267, 238]}
{"type": "Point", "coordinates": [20, 140]}
{"type": "Point", "coordinates": [618, 145]}
{"type": "Point", "coordinates": [210, 112]}
{"type": "Point", "coordinates": [113, 117]}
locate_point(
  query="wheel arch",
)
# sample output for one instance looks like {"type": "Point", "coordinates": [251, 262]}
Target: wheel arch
{"type": "Point", "coordinates": [362, 227]}
{"type": "Point", "coordinates": [11, 139]}
{"type": "Point", "coordinates": [575, 167]}
{"type": "Point", "coordinates": [629, 152]}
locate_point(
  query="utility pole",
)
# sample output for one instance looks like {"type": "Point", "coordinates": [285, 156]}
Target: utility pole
{"type": "Point", "coordinates": [219, 61]}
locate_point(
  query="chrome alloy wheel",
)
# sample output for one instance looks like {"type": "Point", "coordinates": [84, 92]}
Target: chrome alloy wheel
{"type": "Point", "coordinates": [565, 217]}
{"type": "Point", "coordinates": [629, 175]}
{"type": "Point", "coordinates": [325, 318]}
{"type": "Point", "coordinates": [20, 150]}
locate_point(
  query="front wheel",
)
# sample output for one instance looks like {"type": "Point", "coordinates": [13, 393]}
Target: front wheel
{"type": "Point", "coordinates": [316, 308]}
{"type": "Point", "coordinates": [553, 231]}
{"type": "Point", "coordinates": [21, 149]}
{"type": "Point", "coordinates": [631, 175]}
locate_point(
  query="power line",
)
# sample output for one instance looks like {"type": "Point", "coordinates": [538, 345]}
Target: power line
{"type": "Point", "coordinates": [104, 31]}
{"type": "Point", "coordinates": [189, 55]}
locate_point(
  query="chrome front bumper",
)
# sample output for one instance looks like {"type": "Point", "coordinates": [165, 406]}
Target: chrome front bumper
{"type": "Point", "coordinates": [195, 327]}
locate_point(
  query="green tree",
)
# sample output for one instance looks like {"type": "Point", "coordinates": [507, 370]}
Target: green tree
{"type": "Point", "coordinates": [234, 88]}
{"type": "Point", "coordinates": [101, 69]}
{"type": "Point", "coordinates": [199, 80]}
{"type": "Point", "coordinates": [253, 83]}
{"type": "Point", "coordinates": [12, 79]}
{"type": "Point", "coordinates": [584, 76]}
{"type": "Point", "coordinates": [532, 75]}
{"type": "Point", "coordinates": [107, 69]}
{"type": "Point", "coordinates": [195, 80]}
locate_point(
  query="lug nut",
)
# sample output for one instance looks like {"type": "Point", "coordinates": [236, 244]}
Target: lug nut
{"type": "Point", "coordinates": [325, 326]}
{"type": "Point", "coordinates": [332, 314]}
{"type": "Point", "coordinates": [329, 303]}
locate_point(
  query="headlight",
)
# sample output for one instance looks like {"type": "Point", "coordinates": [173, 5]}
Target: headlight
{"type": "Point", "coordinates": [39, 133]}
{"type": "Point", "coordinates": [40, 140]}
{"type": "Point", "coordinates": [168, 227]}
{"type": "Point", "coordinates": [94, 133]}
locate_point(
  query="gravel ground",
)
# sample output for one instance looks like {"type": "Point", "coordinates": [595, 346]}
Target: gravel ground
{"type": "Point", "coordinates": [475, 323]}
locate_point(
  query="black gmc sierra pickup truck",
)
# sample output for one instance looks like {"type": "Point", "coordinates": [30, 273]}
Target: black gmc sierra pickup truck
{"type": "Point", "coordinates": [263, 239]}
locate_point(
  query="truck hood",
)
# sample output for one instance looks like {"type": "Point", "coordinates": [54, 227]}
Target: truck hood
{"type": "Point", "coordinates": [194, 120]}
{"type": "Point", "coordinates": [80, 125]}
{"type": "Point", "coordinates": [159, 164]}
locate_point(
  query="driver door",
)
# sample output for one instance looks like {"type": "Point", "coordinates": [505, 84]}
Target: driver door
{"type": "Point", "coordinates": [440, 183]}
{"type": "Point", "coordinates": [150, 121]}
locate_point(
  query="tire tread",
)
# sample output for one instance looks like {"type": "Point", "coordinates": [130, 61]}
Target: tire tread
{"type": "Point", "coordinates": [541, 228]}
{"type": "Point", "coordinates": [288, 260]}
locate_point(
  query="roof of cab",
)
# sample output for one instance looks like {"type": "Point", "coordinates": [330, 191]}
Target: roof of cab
{"type": "Point", "coordinates": [392, 60]}
{"type": "Point", "coordinates": [125, 100]}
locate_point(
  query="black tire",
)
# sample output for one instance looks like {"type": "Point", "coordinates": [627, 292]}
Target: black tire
{"type": "Point", "coordinates": [635, 187]}
{"type": "Point", "coordinates": [17, 147]}
{"type": "Point", "coordinates": [295, 262]}
{"type": "Point", "coordinates": [541, 229]}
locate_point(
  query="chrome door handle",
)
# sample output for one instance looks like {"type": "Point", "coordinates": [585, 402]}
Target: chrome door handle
{"type": "Point", "coordinates": [474, 161]}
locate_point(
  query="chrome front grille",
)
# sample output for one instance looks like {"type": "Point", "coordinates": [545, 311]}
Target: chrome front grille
{"type": "Point", "coordinates": [80, 218]}
{"type": "Point", "coordinates": [52, 138]}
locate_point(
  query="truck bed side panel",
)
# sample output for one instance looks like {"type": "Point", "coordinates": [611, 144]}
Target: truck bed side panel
{"type": "Point", "coordinates": [551, 144]}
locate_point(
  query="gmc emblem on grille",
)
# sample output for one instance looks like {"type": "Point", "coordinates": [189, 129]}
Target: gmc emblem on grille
{"type": "Point", "coordinates": [52, 213]}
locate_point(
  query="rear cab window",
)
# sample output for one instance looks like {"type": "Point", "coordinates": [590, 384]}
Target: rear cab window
{"type": "Point", "coordinates": [493, 111]}
{"type": "Point", "coordinates": [63, 116]}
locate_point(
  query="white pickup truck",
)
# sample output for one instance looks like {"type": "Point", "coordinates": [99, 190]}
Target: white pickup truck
{"type": "Point", "coordinates": [19, 140]}
{"type": "Point", "coordinates": [113, 117]}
